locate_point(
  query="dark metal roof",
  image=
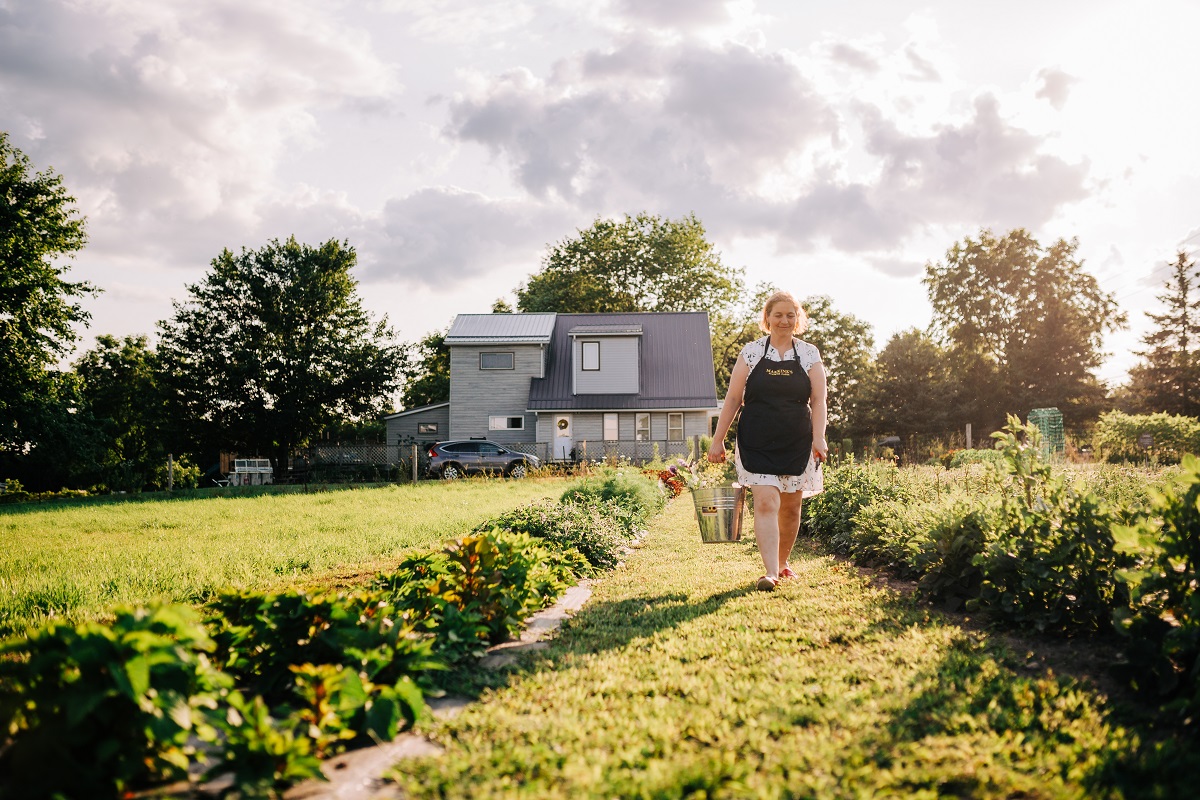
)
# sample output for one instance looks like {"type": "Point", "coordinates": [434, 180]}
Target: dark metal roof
{"type": "Point", "coordinates": [501, 329]}
{"type": "Point", "coordinates": [675, 364]}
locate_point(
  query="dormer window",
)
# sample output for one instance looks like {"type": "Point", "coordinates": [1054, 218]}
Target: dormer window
{"type": "Point", "coordinates": [606, 359]}
{"type": "Point", "coordinates": [590, 356]}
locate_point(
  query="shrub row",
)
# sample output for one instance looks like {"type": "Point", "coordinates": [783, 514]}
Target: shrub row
{"type": "Point", "coordinates": [261, 687]}
{"type": "Point", "coordinates": [1037, 551]}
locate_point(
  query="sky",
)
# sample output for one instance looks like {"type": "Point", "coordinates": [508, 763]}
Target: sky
{"type": "Point", "coordinates": [827, 148]}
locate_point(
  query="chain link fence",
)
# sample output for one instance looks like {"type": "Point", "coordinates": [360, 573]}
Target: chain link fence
{"type": "Point", "coordinates": [377, 462]}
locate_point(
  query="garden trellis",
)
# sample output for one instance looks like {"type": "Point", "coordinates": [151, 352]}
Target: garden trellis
{"type": "Point", "coordinates": [1050, 422]}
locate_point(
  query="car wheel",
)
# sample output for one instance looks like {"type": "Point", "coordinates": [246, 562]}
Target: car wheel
{"type": "Point", "coordinates": [518, 470]}
{"type": "Point", "coordinates": [452, 472]}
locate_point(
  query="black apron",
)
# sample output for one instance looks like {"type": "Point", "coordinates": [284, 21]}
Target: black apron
{"type": "Point", "coordinates": [775, 432]}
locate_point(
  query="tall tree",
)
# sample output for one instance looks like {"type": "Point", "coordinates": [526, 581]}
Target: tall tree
{"type": "Point", "coordinates": [426, 370]}
{"type": "Point", "coordinates": [272, 345]}
{"type": "Point", "coordinates": [39, 226]}
{"type": "Point", "coordinates": [911, 390]}
{"type": "Point", "coordinates": [846, 344]}
{"type": "Point", "coordinates": [118, 384]}
{"type": "Point", "coordinates": [1024, 322]}
{"type": "Point", "coordinates": [642, 263]}
{"type": "Point", "coordinates": [1167, 378]}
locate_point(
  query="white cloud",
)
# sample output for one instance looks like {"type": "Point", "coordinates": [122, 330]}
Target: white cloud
{"type": "Point", "coordinates": [170, 120]}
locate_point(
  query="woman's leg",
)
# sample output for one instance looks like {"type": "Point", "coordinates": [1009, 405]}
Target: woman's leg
{"type": "Point", "coordinates": [766, 526]}
{"type": "Point", "coordinates": [789, 523]}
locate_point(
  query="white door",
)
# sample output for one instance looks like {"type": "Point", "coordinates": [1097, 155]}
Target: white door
{"type": "Point", "coordinates": [562, 436]}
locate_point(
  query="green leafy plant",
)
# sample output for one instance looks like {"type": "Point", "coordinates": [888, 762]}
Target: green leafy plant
{"type": "Point", "coordinates": [597, 529]}
{"type": "Point", "coordinates": [628, 488]}
{"type": "Point", "coordinates": [1050, 564]}
{"type": "Point", "coordinates": [96, 710]}
{"type": "Point", "coordinates": [263, 754]}
{"type": "Point", "coordinates": [1161, 623]}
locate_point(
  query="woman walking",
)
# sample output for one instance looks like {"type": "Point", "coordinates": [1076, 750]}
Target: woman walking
{"type": "Point", "coordinates": [778, 383]}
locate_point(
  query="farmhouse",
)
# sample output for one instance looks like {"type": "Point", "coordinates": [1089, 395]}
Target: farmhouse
{"type": "Point", "coordinates": [565, 386]}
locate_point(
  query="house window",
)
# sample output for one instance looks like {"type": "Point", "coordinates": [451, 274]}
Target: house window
{"type": "Point", "coordinates": [642, 428]}
{"type": "Point", "coordinates": [610, 428]}
{"type": "Point", "coordinates": [506, 423]}
{"type": "Point", "coordinates": [496, 361]}
{"type": "Point", "coordinates": [427, 427]}
{"type": "Point", "coordinates": [591, 356]}
{"type": "Point", "coordinates": [675, 427]}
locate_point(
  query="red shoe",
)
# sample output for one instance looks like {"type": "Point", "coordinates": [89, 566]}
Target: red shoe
{"type": "Point", "coordinates": [786, 572]}
{"type": "Point", "coordinates": [767, 584]}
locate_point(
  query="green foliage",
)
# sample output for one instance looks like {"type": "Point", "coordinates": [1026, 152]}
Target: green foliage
{"type": "Point", "coordinates": [594, 530]}
{"type": "Point", "coordinates": [426, 371]}
{"type": "Point", "coordinates": [829, 516]}
{"type": "Point", "coordinates": [272, 345]}
{"type": "Point", "coordinates": [183, 474]}
{"type": "Point", "coordinates": [1025, 325]}
{"type": "Point", "coordinates": [846, 344]}
{"type": "Point", "coordinates": [119, 387]}
{"type": "Point", "coordinates": [1167, 379]}
{"type": "Point", "coordinates": [627, 488]}
{"type": "Point", "coordinates": [94, 710]}
{"type": "Point", "coordinates": [642, 263]}
{"type": "Point", "coordinates": [503, 578]}
{"type": "Point", "coordinates": [1162, 621]}
{"type": "Point", "coordinates": [262, 753]}
{"type": "Point", "coordinates": [1051, 561]}
{"type": "Point", "coordinates": [260, 636]}
{"type": "Point", "coordinates": [911, 390]}
{"type": "Point", "coordinates": [1117, 433]}
{"type": "Point", "coordinates": [39, 309]}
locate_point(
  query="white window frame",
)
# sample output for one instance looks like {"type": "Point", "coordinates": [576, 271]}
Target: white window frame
{"type": "Point", "coordinates": [512, 359]}
{"type": "Point", "coordinates": [641, 433]}
{"type": "Point", "coordinates": [613, 433]}
{"type": "Point", "coordinates": [583, 357]}
{"type": "Point", "coordinates": [503, 422]}
{"type": "Point", "coordinates": [672, 428]}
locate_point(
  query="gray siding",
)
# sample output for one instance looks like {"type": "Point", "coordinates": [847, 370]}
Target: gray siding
{"type": "Point", "coordinates": [477, 394]}
{"type": "Point", "coordinates": [618, 373]}
{"type": "Point", "coordinates": [405, 429]}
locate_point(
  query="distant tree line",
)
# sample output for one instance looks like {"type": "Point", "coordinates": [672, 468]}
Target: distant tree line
{"type": "Point", "coordinates": [273, 350]}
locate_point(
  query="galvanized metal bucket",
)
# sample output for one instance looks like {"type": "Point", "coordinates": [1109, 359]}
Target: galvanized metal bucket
{"type": "Point", "coordinates": [719, 513]}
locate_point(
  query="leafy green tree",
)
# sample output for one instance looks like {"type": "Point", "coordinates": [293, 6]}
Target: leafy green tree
{"type": "Point", "coordinates": [273, 345]}
{"type": "Point", "coordinates": [911, 390]}
{"type": "Point", "coordinates": [1024, 323]}
{"type": "Point", "coordinates": [642, 263]}
{"type": "Point", "coordinates": [119, 387]}
{"type": "Point", "coordinates": [1168, 376]}
{"type": "Point", "coordinates": [846, 344]}
{"type": "Point", "coordinates": [731, 329]}
{"type": "Point", "coordinates": [39, 225]}
{"type": "Point", "coordinates": [426, 370]}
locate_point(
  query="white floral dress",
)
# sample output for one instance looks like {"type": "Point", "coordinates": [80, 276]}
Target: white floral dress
{"type": "Point", "coordinates": [811, 481]}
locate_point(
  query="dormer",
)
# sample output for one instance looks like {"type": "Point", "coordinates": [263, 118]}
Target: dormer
{"type": "Point", "coordinates": [605, 359]}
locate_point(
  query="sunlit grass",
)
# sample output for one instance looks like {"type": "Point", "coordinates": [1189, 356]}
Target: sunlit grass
{"type": "Point", "coordinates": [679, 680]}
{"type": "Point", "coordinates": [75, 560]}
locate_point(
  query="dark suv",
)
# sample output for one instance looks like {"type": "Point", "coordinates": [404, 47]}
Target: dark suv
{"type": "Point", "coordinates": [466, 456]}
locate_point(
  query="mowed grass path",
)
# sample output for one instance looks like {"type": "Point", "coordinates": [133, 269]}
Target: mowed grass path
{"type": "Point", "coordinates": [75, 560]}
{"type": "Point", "coordinates": [678, 680]}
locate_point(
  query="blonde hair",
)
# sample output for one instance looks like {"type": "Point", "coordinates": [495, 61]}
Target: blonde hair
{"type": "Point", "coordinates": [780, 297]}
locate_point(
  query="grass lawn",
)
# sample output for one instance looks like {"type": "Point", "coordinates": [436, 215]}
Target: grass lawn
{"type": "Point", "coordinates": [678, 680]}
{"type": "Point", "coordinates": [75, 559]}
